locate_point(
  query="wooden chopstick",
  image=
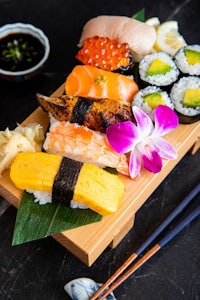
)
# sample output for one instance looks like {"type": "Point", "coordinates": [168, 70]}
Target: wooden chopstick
{"type": "Point", "coordinates": [106, 288]}
{"type": "Point", "coordinates": [194, 214]}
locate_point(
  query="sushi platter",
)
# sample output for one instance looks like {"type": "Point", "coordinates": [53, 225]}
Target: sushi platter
{"type": "Point", "coordinates": [89, 123]}
{"type": "Point", "coordinates": [89, 241]}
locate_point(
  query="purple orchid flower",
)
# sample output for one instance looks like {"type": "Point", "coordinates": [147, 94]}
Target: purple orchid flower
{"type": "Point", "coordinates": [144, 141]}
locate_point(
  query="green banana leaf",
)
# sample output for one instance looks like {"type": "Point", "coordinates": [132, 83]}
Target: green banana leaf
{"type": "Point", "coordinates": [35, 221]}
{"type": "Point", "coordinates": [140, 15]}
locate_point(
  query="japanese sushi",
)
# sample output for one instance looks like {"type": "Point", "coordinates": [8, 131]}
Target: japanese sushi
{"type": "Point", "coordinates": [150, 97]}
{"type": "Point", "coordinates": [97, 84]}
{"type": "Point", "coordinates": [188, 60]}
{"type": "Point", "coordinates": [83, 144]}
{"type": "Point", "coordinates": [158, 69]}
{"type": "Point", "coordinates": [106, 54]}
{"type": "Point", "coordinates": [96, 115]}
{"type": "Point", "coordinates": [185, 95]}
{"type": "Point", "coordinates": [140, 36]}
{"type": "Point", "coordinates": [61, 180]}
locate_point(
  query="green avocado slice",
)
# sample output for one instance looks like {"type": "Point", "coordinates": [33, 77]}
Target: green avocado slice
{"type": "Point", "coordinates": [192, 98]}
{"type": "Point", "coordinates": [153, 100]}
{"type": "Point", "coordinates": [193, 57]}
{"type": "Point", "coordinates": [158, 67]}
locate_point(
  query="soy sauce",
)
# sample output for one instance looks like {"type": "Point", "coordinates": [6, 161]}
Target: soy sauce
{"type": "Point", "coordinates": [20, 51]}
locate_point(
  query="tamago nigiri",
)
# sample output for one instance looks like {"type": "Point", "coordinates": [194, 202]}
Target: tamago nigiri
{"type": "Point", "coordinates": [65, 180]}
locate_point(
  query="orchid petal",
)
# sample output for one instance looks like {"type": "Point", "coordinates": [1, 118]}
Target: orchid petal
{"type": "Point", "coordinates": [144, 122]}
{"type": "Point", "coordinates": [165, 149]}
{"type": "Point", "coordinates": [152, 161]}
{"type": "Point", "coordinates": [134, 163]}
{"type": "Point", "coordinates": [122, 136]}
{"type": "Point", "coordinates": [165, 120]}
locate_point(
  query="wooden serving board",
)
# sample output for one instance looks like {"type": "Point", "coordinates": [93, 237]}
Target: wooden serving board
{"type": "Point", "coordinates": [89, 241]}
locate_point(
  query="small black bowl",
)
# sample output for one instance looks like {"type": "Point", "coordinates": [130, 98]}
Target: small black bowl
{"type": "Point", "coordinates": [25, 31]}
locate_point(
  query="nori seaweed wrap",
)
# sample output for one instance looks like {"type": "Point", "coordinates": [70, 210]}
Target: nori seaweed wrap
{"type": "Point", "coordinates": [185, 95]}
{"type": "Point", "coordinates": [188, 60]}
{"type": "Point", "coordinates": [158, 69]}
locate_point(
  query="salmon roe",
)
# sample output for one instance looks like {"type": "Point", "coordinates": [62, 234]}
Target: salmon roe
{"type": "Point", "coordinates": [104, 53]}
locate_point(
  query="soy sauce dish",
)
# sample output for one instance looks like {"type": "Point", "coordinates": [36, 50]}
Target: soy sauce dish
{"type": "Point", "coordinates": [24, 50]}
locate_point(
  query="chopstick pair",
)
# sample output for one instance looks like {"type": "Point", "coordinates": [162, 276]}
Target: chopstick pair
{"type": "Point", "coordinates": [115, 280]}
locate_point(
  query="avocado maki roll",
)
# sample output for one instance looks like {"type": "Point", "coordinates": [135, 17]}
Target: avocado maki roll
{"type": "Point", "coordinates": [188, 60]}
{"type": "Point", "coordinates": [158, 69]}
{"type": "Point", "coordinates": [185, 95]}
{"type": "Point", "coordinates": [150, 97]}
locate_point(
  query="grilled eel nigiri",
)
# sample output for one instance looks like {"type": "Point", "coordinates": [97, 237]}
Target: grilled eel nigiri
{"type": "Point", "coordinates": [96, 115]}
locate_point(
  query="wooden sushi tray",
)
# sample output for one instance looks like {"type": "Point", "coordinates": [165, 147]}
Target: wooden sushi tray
{"type": "Point", "coordinates": [89, 241]}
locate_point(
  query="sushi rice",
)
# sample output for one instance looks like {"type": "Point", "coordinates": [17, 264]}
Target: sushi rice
{"type": "Point", "coordinates": [182, 61]}
{"type": "Point", "coordinates": [42, 197]}
{"type": "Point", "coordinates": [158, 79]}
{"type": "Point", "coordinates": [139, 99]}
{"type": "Point", "coordinates": [177, 95]}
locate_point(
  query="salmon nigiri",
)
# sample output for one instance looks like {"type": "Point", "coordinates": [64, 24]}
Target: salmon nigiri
{"type": "Point", "coordinates": [94, 83]}
{"type": "Point", "coordinates": [140, 36]}
{"type": "Point", "coordinates": [85, 145]}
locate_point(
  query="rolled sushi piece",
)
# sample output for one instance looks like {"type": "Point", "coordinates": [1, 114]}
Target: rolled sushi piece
{"type": "Point", "coordinates": [61, 180]}
{"type": "Point", "coordinates": [185, 95]}
{"type": "Point", "coordinates": [188, 60]}
{"type": "Point", "coordinates": [150, 97]}
{"type": "Point", "coordinates": [158, 69]}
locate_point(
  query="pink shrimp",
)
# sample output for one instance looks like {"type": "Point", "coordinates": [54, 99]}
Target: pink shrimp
{"type": "Point", "coordinates": [83, 144]}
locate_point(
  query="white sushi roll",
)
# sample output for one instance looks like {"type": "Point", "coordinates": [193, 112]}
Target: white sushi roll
{"type": "Point", "coordinates": [185, 95]}
{"type": "Point", "coordinates": [150, 97]}
{"type": "Point", "coordinates": [188, 59]}
{"type": "Point", "coordinates": [158, 69]}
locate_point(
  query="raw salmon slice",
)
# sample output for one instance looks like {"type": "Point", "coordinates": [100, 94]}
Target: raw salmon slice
{"type": "Point", "coordinates": [94, 83]}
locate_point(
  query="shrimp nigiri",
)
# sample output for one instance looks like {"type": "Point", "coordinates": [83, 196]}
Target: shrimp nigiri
{"type": "Point", "coordinates": [92, 82]}
{"type": "Point", "coordinates": [85, 145]}
{"type": "Point", "coordinates": [140, 36]}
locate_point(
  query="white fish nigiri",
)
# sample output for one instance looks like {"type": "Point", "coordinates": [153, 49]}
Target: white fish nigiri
{"type": "Point", "coordinates": [140, 36]}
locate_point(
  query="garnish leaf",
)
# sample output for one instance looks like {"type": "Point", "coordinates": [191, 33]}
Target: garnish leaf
{"type": "Point", "coordinates": [140, 15]}
{"type": "Point", "coordinates": [35, 221]}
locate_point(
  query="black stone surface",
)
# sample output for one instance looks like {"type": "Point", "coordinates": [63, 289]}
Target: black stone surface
{"type": "Point", "coordinates": [39, 270]}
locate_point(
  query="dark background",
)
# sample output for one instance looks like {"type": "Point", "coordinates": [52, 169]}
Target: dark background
{"type": "Point", "coordinates": [39, 270]}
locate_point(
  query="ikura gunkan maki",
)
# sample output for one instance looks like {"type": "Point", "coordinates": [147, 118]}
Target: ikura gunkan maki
{"type": "Point", "coordinates": [188, 60]}
{"type": "Point", "coordinates": [150, 97]}
{"type": "Point", "coordinates": [185, 95]}
{"type": "Point", "coordinates": [106, 54]}
{"type": "Point", "coordinates": [158, 69]}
